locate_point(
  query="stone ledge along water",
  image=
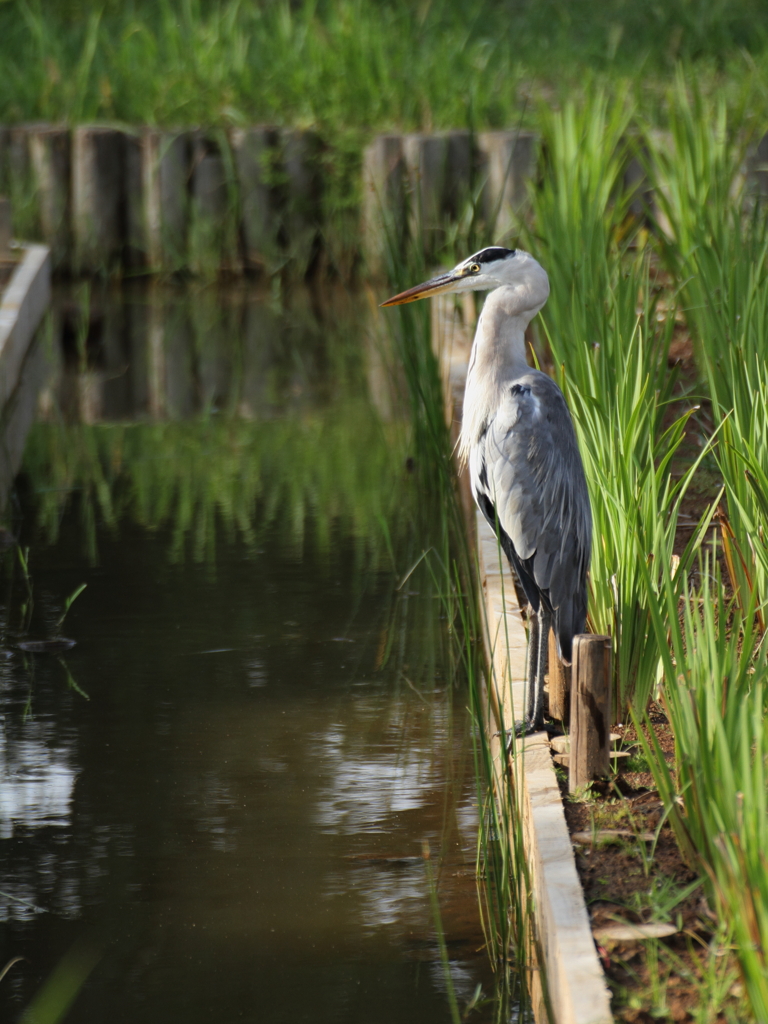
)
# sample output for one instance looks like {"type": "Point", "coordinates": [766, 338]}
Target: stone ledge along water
{"type": "Point", "coordinates": [114, 200]}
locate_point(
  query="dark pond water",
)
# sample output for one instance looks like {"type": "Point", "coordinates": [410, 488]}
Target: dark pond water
{"type": "Point", "coordinates": [219, 798]}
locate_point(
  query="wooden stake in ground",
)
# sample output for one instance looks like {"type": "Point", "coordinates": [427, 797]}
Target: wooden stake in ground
{"type": "Point", "coordinates": [506, 165]}
{"type": "Point", "coordinates": [383, 200]}
{"type": "Point", "coordinates": [166, 172]}
{"type": "Point", "coordinates": [5, 228]}
{"type": "Point", "coordinates": [426, 161]}
{"type": "Point", "coordinates": [256, 160]}
{"type": "Point", "coordinates": [98, 189]}
{"type": "Point", "coordinates": [458, 175]}
{"type": "Point", "coordinates": [590, 710]}
{"type": "Point", "coordinates": [211, 207]}
{"type": "Point", "coordinates": [559, 684]}
{"type": "Point", "coordinates": [50, 150]}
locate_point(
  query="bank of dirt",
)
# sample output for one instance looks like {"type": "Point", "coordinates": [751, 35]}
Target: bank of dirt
{"type": "Point", "coordinates": [637, 875]}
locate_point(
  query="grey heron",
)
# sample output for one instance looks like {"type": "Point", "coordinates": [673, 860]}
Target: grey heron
{"type": "Point", "coordinates": [525, 468]}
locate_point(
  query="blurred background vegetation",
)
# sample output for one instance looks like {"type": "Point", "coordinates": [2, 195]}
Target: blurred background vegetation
{"type": "Point", "coordinates": [356, 66]}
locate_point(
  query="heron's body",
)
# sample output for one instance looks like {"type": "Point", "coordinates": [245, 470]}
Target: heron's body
{"type": "Point", "coordinates": [526, 472]}
{"type": "Point", "coordinates": [525, 469]}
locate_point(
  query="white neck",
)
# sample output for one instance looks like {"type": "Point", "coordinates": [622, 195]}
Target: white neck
{"type": "Point", "coordinates": [498, 357]}
{"type": "Point", "coordinates": [499, 344]}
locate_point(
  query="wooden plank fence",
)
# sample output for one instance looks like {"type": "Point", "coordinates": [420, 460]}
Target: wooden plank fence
{"type": "Point", "coordinates": [113, 200]}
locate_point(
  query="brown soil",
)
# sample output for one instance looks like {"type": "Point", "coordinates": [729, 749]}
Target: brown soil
{"type": "Point", "coordinates": [626, 880]}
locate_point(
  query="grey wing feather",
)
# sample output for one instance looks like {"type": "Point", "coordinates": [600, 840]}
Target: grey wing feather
{"type": "Point", "coordinates": [527, 465]}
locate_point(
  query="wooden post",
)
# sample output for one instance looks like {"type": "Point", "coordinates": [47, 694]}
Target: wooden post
{"type": "Point", "coordinates": [209, 181]}
{"type": "Point", "coordinates": [426, 159]}
{"type": "Point", "coordinates": [50, 159]}
{"type": "Point", "coordinates": [20, 183]}
{"type": "Point", "coordinates": [136, 252]}
{"type": "Point", "coordinates": [383, 200]}
{"type": "Point", "coordinates": [18, 153]}
{"type": "Point", "coordinates": [590, 710]}
{"type": "Point", "coordinates": [303, 193]}
{"type": "Point", "coordinates": [458, 178]}
{"type": "Point", "coordinates": [256, 155]}
{"type": "Point", "coordinates": [98, 199]}
{"type": "Point", "coordinates": [506, 164]}
{"type": "Point", "coordinates": [559, 690]}
{"type": "Point", "coordinates": [212, 216]}
{"type": "Point", "coordinates": [166, 169]}
{"type": "Point", "coordinates": [5, 146]}
{"type": "Point", "coordinates": [758, 167]}
{"type": "Point", "coordinates": [5, 228]}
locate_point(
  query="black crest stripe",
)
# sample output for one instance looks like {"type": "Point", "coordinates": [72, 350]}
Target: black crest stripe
{"type": "Point", "coordinates": [494, 252]}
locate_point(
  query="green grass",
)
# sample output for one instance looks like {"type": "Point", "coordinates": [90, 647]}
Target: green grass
{"type": "Point", "coordinates": [709, 971]}
{"type": "Point", "coordinates": [609, 325]}
{"type": "Point", "coordinates": [349, 64]}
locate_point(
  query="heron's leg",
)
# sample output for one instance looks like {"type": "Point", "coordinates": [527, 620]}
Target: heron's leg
{"type": "Point", "coordinates": [536, 716]}
{"type": "Point", "coordinates": [532, 664]}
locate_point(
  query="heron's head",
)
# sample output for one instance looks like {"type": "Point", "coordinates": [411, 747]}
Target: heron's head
{"type": "Point", "coordinates": [490, 268]}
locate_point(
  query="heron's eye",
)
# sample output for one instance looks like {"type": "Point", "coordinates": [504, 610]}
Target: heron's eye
{"type": "Point", "coordinates": [474, 268]}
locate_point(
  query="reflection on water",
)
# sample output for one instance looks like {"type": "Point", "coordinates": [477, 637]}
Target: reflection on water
{"type": "Point", "coordinates": [368, 786]}
{"type": "Point", "coordinates": [235, 817]}
{"type": "Point", "coordinates": [38, 779]}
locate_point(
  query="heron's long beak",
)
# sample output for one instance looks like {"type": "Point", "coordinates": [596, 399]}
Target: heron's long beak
{"type": "Point", "coordinates": [441, 283]}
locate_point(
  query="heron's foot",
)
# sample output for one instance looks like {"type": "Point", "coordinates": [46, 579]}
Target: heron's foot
{"type": "Point", "coordinates": [526, 727]}
{"type": "Point", "coordinates": [553, 730]}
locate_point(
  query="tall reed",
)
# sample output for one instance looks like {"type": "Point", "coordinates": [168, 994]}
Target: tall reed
{"type": "Point", "coordinates": [717, 247]}
{"type": "Point", "coordinates": [714, 241]}
{"type": "Point", "coordinates": [716, 793]}
{"type": "Point", "coordinates": [610, 353]}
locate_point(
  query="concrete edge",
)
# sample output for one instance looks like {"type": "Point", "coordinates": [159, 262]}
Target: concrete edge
{"type": "Point", "coordinates": [22, 306]}
{"type": "Point", "coordinates": [575, 981]}
{"type": "Point", "coordinates": [576, 991]}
